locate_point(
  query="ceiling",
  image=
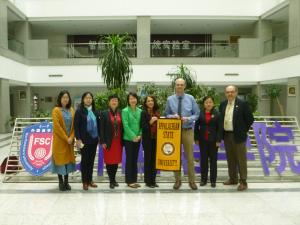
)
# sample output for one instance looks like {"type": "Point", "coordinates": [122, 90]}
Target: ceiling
{"type": "Point", "coordinates": [202, 26]}
{"type": "Point", "coordinates": [83, 27]}
{"type": "Point", "coordinates": [158, 26]}
{"type": "Point", "coordinates": [280, 16]}
{"type": "Point", "coordinates": [13, 17]}
{"type": "Point", "coordinates": [59, 8]}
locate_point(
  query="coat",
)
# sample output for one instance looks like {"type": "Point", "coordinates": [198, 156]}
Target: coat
{"type": "Point", "coordinates": [214, 127]}
{"type": "Point", "coordinates": [62, 151]}
{"type": "Point", "coordinates": [106, 131]}
{"type": "Point", "coordinates": [80, 125]}
{"type": "Point", "coordinates": [242, 119]}
{"type": "Point", "coordinates": [146, 128]}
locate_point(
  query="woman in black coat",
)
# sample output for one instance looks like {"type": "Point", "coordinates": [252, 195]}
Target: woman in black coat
{"type": "Point", "coordinates": [86, 124]}
{"type": "Point", "coordinates": [149, 117]}
{"type": "Point", "coordinates": [207, 133]}
{"type": "Point", "coordinates": [111, 135]}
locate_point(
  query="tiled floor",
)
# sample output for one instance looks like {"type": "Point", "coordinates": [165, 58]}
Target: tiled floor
{"type": "Point", "coordinates": [262, 204]}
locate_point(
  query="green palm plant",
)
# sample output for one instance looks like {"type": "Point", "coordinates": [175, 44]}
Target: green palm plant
{"type": "Point", "coordinates": [185, 73]}
{"type": "Point", "coordinates": [115, 65]}
{"type": "Point", "coordinates": [192, 88]}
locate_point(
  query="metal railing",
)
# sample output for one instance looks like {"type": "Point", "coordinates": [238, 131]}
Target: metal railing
{"type": "Point", "coordinates": [96, 50]}
{"type": "Point", "coordinates": [15, 172]}
{"type": "Point", "coordinates": [189, 49]}
{"type": "Point", "coordinates": [85, 50]}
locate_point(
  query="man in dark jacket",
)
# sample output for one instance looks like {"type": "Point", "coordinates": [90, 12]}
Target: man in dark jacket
{"type": "Point", "coordinates": [236, 118]}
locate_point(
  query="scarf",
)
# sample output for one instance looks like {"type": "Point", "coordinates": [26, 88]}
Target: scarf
{"type": "Point", "coordinates": [91, 123]}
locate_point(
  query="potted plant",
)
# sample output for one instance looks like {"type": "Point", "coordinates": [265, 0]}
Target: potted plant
{"type": "Point", "coordinates": [274, 92]}
{"type": "Point", "coordinates": [185, 73]}
{"type": "Point", "coordinates": [115, 65]}
{"type": "Point", "coordinates": [192, 88]}
{"type": "Point", "coordinates": [101, 99]}
{"type": "Point", "coordinates": [252, 99]}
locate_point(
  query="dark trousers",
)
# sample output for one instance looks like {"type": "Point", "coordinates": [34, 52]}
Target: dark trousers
{"type": "Point", "coordinates": [149, 162]}
{"type": "Point", "coordinates": [88, 153]}
{"type": "Point", "coordinates": [111, 171]}
{"type": "Point", "coordinates": [132, 153]}
{"type": "Point", "coordinates": [208, 155]}
{"type": "Point", "coordinates": [236, 158]}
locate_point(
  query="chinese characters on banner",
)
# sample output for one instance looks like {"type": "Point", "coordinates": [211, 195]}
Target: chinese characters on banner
{"type": "Point", "coordinates": [276, 147]}
{"type": "Point", "coordinates": [276, 141]}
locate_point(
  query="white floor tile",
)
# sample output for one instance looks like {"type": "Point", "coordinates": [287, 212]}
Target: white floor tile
{"type": "Point", "coordinates": [31, 204]}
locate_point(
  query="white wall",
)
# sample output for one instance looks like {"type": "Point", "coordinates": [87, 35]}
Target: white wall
{"type": "Point", "coordinates": [88, 75]}
{"type": "Point", "coordinates": [37, 49]}
{"type": "Point", "coordinates": [12, 70]}
{"type": "Point", "coordinates": [64, 8]}
{"type": "Point", "coordinates": [280, 69]}
{"type": "Point", "coordinates": [209, 74]}
{"type": "Point", "coordinates": [249, 48]}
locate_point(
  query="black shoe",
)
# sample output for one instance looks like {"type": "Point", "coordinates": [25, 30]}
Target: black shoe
{"type": "Point", "coordinates": [150, 185]}
{"type": "Point", "coordinates": [156, 185]}
{"type": "Point", "coordinates": [213, 185]}
{"type": "Point", "coordinates": [116, 184]}
{"type": "Point", "coordinates": [111, 185]}
{"type": "Point", "coordinates": [68, 187]}
{"type": "Point", "coordinates": [62, 187]}
{"type": "Point", "coordinates": [203, 183]}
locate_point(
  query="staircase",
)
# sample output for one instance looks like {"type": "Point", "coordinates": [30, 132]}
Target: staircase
{"type": "Point", "coordinates": [255, 170]}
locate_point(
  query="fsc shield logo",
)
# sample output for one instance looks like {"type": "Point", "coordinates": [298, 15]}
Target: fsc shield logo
{"type": "Point", "coordinates": [36, 148]}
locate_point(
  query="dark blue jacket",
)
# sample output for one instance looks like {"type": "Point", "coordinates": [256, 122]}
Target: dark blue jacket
{"type": "Point", "coordinates": [214, 127]}
{"type": "Point", "coordinates": [80, 125]}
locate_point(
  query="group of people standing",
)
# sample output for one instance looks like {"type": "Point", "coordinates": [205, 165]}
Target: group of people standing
{"type": "Point", "coordinates": [114, 128]}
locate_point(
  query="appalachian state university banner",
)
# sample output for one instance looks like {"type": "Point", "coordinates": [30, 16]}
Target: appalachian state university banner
{"type": "Point", "coordinates": [168, 144]}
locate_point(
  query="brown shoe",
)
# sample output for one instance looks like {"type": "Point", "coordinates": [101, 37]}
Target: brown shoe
{"type": "Point", "coordinates": [193, 186]}
{"type": "Point", "coordinates": [133, 185]}
{"type": "Point", "coordinates": [242, 187]}
{"type": "Point", "coordinates": [177, 185]}
{"type": "Point", "coordinates": [229, 182]}
{"type": "Point", "coordinates": [85, 186]}
{"type": "Point", "coordinates": [93, 185]}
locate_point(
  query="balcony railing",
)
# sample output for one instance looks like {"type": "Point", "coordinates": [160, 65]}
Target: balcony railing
{"type": "Point", "coordinates": [205, 50]}
{"type": "Point", "coordinates": [85, 50]}
{"type": "Point", "coordinates": [276, 44]}
{"type": "Point", "coordinates": [16, 46]}
{"type": "Point", "coordinates": [96, 50]}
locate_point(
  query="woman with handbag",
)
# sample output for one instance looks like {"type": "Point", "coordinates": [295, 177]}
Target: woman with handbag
{"type": "Point", "coordinates": [86, 125]}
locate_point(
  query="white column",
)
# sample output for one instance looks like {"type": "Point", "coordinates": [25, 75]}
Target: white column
{"type": "Point", "coordinates": [294, 23]}
{"type": "Point", "coordinates": [263, 31]}
{"type": "Point", "coordinates": [3, 25]}
{"type": "Point", "coordinates": [143, 36]}
{"type": "Point", "coordinates": [5, 106]}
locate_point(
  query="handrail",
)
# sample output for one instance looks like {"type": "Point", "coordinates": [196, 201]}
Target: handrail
{"type": "Point", "coordinates": [169, 43]}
